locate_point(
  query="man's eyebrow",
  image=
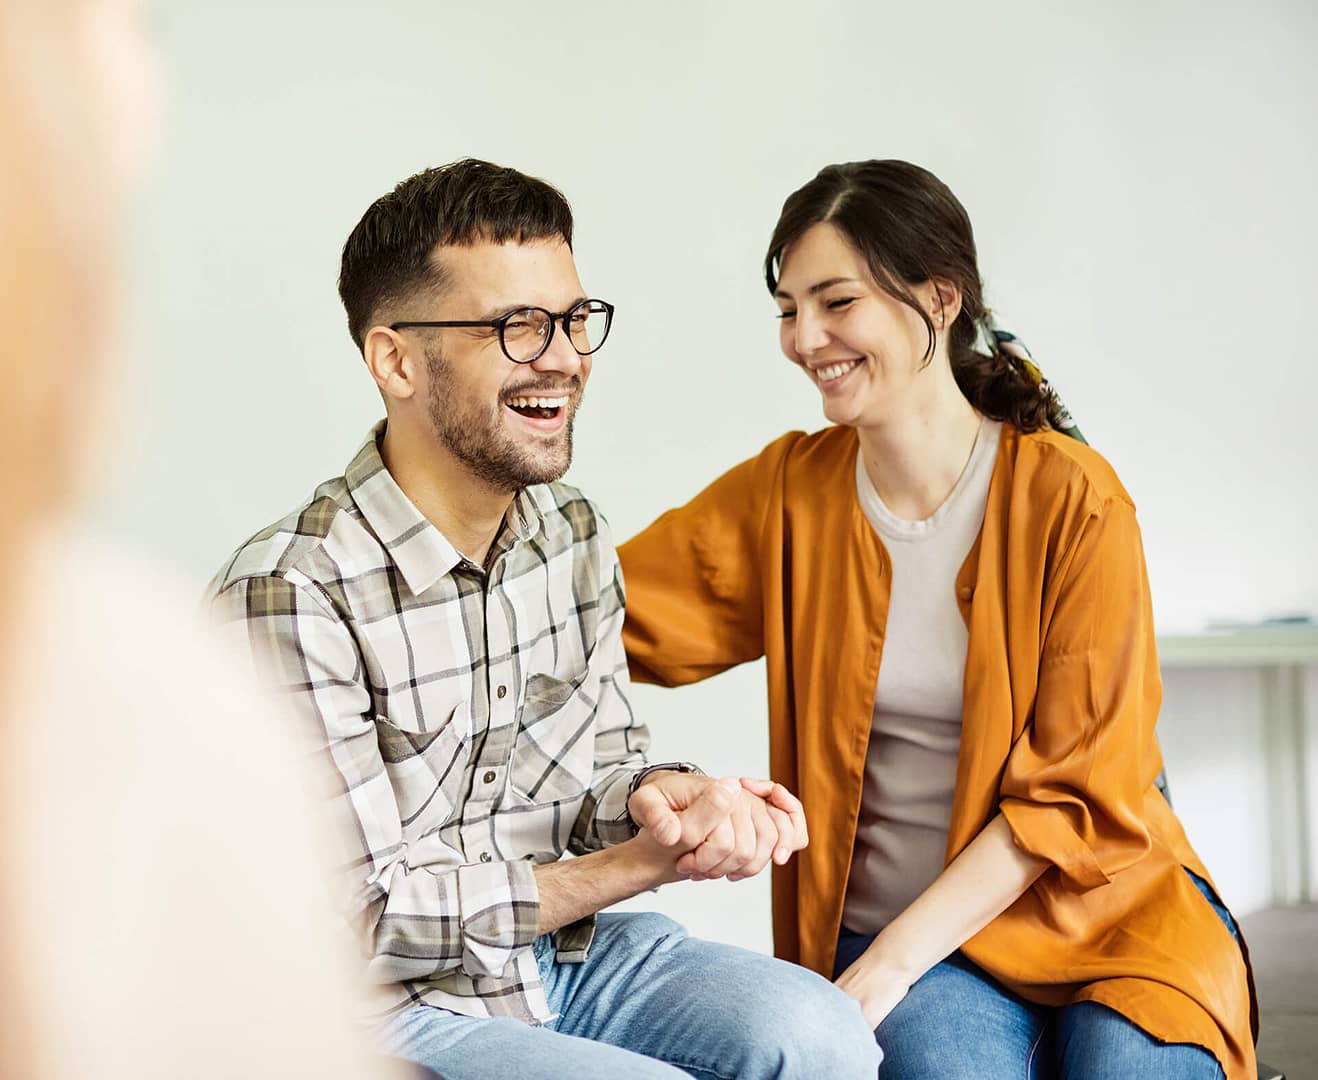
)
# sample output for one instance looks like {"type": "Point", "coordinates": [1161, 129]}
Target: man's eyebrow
{"type": "Point", "coordinates": [820, 287]}
{"type": "Point", "coordinates": [505, 309]}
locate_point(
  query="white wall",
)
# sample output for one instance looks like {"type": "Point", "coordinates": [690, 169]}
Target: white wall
{"type": "Point", "coordinates": [1141, 176]}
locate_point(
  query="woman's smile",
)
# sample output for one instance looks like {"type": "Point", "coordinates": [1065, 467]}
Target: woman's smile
{"type": "Point", "coordinates": [834, 377]}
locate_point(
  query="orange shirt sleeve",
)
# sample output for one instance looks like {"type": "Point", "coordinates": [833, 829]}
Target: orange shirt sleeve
{"type": "Point", "coordinates": [694, 578]}
{"type": "Point", "coordinates": [1074, 783]}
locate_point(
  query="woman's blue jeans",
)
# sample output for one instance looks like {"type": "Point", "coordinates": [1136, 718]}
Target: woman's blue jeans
{"type": "Point", "coordinates": [957, 1022]}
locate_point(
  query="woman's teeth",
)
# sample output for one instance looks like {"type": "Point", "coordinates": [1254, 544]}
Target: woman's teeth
{"type": "Point", "coordinates": [835, 371]}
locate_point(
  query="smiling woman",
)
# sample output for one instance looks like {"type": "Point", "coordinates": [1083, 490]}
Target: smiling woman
{"type": "Point", "coordinates": [952, 600]}
{"type": "Point", "coordinates": [907, 249]}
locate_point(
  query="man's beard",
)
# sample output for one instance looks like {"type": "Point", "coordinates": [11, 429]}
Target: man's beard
{"type": "Point", "coordinates": [474, 435]}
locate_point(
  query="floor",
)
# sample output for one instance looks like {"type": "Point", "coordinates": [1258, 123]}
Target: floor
{"type": "Point", "coordinates": [1283, 943]}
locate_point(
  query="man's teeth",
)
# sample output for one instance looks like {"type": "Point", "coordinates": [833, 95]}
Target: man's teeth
{"type": "Point", "coordinates": [537, 402]}
{"type": "Point", "coordinates": [835, 371]}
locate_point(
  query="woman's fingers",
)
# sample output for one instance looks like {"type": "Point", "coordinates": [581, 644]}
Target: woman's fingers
{"type": "Point", "coordinates": [766, 837]}
{"type": "Point", "coordinates": [795, 835]}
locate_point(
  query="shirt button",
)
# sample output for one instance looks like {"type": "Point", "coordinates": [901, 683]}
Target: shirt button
{"type": "Point", "coordinates": [489, 777]}
{"type": "Point", "coordinates": [486, 857]}
{"type": "Point", "coordinates": [501, 693]}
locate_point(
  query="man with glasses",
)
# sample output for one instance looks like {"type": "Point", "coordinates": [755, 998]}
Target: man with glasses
{"type": "Point", "coordinates": [446, 617]}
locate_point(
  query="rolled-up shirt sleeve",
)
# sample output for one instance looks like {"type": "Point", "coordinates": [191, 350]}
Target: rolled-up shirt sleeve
{"type": "Point", "coordinates": [1074, 784]}
{"type": "Point", "coordinates": [415, 920]}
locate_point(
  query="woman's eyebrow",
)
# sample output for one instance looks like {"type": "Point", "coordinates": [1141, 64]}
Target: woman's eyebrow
{"type": "Point", "coordinates": [819, 287]}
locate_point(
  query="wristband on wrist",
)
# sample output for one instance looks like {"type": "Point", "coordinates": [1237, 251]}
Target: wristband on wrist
{"type": "Point", "coordinates": [639, 779]}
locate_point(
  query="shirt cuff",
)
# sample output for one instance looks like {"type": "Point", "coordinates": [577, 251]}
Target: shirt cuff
{"type": "Point", "coordinates": [572, 942]}
{"type": "Point", "coordinates": [613, 824]}
{"type": "Point", "coordinates": [499, 909]}
{"type": "Point", "coordinates": [1046, 833]}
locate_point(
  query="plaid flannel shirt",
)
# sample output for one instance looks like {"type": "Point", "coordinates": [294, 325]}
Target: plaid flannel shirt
{"type": "Point", "coordinates": [476, 721]}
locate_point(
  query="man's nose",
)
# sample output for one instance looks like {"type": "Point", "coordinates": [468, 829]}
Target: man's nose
{"type": "Point", "coordinates": [559, 356]}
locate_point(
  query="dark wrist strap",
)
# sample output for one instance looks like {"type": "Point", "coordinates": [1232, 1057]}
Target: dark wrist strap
{"type": "Point", "coordinates": [639, 778]}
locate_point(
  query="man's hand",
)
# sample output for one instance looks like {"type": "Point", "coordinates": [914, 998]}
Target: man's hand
{"type": "Point", "coordinates": [680, 810]}
{"type": "Point", "coordinates": [759, 820]}
{"type": "Point", "coordinates": [690, 826]}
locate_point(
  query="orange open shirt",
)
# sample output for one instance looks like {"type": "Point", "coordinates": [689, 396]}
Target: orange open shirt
{"type": "Point", "coordinates": [1062, 690]}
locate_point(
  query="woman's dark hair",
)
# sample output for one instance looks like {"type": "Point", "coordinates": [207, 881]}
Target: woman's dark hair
{"type": "Point", "coordinates": [910, 228]}
{"type": "Point", "coordinates": [388, 255]}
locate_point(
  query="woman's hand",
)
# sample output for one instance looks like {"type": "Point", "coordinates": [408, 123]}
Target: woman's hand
{"type": "Point", "coordinates": [878, 986]}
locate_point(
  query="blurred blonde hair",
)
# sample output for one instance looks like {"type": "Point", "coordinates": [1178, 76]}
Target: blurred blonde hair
{"type": "Point", "coordinates": [34, 274]}
{"type": "Point", "coordinates": [55, 249]}
{"type": "Point", "coordinates": [54, 280]}
{"type": "Point", "coordinates": [118, 858]}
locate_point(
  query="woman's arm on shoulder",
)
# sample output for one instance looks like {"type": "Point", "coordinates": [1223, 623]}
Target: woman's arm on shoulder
{"type": "Point", "coordinates": [694, 577]}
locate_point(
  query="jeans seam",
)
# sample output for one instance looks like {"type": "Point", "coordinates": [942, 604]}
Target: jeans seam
{"type": "Point", "coordinates": [685, 1066]}
{"type": "Point", "coordinates": [1034, 1048]}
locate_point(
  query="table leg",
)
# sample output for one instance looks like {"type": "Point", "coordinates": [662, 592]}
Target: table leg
{"type": "Point", "coordinates": [1288, 798]}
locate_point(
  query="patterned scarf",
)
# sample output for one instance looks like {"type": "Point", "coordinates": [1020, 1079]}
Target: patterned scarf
{"type": "Point", "coordinates": [1010, 346]}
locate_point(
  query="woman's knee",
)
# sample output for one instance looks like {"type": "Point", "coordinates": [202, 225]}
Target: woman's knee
{"type": "Point", "coordinates": [1095, 1042]}
{"type": "Point", "coordinates": [957, 1024]}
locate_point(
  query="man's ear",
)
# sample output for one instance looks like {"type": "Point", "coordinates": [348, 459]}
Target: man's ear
{"type": "Point", "coordinates": [944, 302]}
{"type": "Point", "coordinates": [390, 362]}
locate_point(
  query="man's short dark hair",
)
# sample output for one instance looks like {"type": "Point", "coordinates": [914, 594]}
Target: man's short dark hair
{"type": "Point", "coordinates": [388, 254]}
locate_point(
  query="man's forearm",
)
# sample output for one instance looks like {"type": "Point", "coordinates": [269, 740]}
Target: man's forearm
{"type": "Point", "coordinates": [571, 889]}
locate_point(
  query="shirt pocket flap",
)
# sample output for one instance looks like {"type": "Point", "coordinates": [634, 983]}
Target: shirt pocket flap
{"type": "Point", "coordinates": [547, 690]}
{"type": "Point", "coordinates": [425, 768]}
{"type": "Point", "coordinates": [554, 753]}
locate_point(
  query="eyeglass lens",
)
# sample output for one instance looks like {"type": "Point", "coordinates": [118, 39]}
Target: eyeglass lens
{"type": "Point", "coordinates": [526, 333]}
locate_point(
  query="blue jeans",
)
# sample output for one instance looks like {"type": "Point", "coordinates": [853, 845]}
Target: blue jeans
{"type": "Point", "coordinates": [651, 1002]}
{"type": "Point", "coordinates": [957, 1023]}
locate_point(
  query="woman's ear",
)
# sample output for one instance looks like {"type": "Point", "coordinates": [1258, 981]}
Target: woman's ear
{"type": "Point", "coordinates": [944, 302]}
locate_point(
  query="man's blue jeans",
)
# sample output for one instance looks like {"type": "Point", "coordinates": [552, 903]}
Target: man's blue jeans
{"type": "Point", "coordinates": [651, 1002]}
{"type": "Point", "coordinates": [957, 1023]}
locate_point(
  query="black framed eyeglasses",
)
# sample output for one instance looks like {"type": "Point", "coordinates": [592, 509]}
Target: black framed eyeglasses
{"type": "Point", "coordinates": [525, 334]}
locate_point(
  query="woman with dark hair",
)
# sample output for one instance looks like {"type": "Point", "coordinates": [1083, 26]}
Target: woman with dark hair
{"type": "Point", "coordinates": [951, 596]}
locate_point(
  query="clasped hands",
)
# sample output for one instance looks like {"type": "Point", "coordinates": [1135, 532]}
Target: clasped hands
{"type": "Point", "coordinates": [702, 828]}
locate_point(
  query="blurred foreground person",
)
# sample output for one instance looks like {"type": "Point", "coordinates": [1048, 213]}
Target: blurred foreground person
{"type": "Point", "coordinates": [159, 906]}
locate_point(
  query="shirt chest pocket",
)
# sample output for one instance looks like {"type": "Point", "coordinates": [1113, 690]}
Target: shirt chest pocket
{"type": "Point", "coordinates": [554, 755]}
{"type": "Point", "coordinates": [425, 768]}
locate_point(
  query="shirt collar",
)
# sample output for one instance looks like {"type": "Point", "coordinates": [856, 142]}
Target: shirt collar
{"type": "Point", "coordinates": [421, 552]}
{"type": "Point", "coordinates": [525, 514]}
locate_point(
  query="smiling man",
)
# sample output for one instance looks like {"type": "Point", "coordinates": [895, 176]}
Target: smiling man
{"type": "Point", "coordinates": [446, 617]}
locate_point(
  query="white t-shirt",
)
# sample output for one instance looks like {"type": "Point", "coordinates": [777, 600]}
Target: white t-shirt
{"type": "Point", "coordinates": [910, 768]}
